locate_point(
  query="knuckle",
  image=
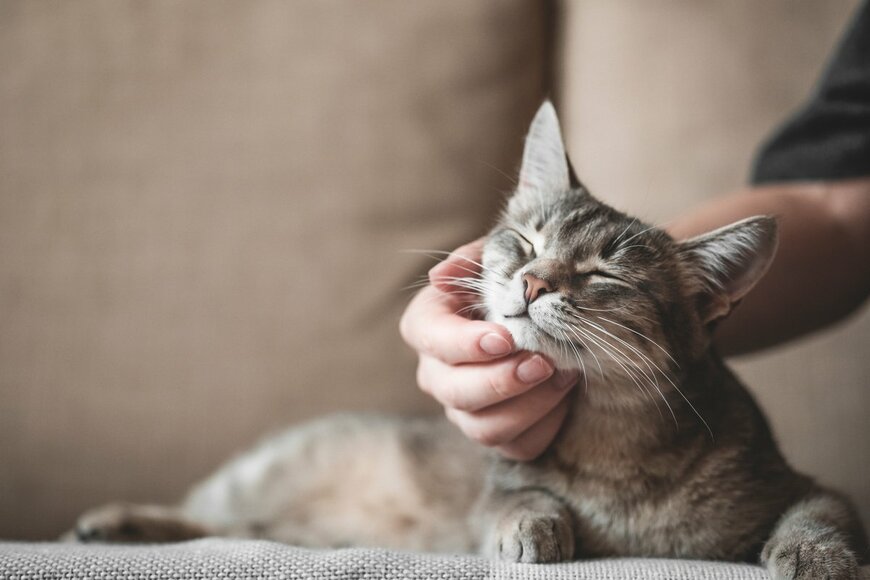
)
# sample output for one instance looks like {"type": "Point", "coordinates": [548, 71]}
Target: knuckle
{"type": "Point", "coordinates": [486, 436]}
{"type": "Point", "coordinates": [486, 439]}
{"type": "Point", "coordinates": [406, 325]}
{"type": "Point", "coordinates": [468, 350]}
{"type": "Point", "coordinates": [403, 326]}
{"type": "Point", "coordinates": [499, 385]}
{"type": "Point", "coordinates": [454, 397]}
{"type": "Point", "coordinates": [423, 378]}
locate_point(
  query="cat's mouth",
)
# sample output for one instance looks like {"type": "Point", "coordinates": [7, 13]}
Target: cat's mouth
{"type": "Point", "coordinates": [539, 331]}
{"type": "Point", "coordinates": [520, 315]}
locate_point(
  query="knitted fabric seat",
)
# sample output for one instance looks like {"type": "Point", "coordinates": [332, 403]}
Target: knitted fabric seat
{"type": "Point", "coordinates": [242, 560]}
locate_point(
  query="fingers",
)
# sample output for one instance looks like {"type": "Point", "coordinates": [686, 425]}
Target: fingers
{"type": "Point", "coordinates": [462, 262]}
{"type": "Point", "coordinates": [513, 402]}
{"type": "Point", "coordinates": [475, 386]}
{"type": "Point", "coordinates": [514, 423]}
{"type": "Point", "coordinates": [431, 326]}
{"type": "Point", "coordinates": [534, 441]}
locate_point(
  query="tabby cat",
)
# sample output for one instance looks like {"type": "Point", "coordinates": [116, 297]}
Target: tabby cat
{"type": "Point", "coordinates": [664, 453]}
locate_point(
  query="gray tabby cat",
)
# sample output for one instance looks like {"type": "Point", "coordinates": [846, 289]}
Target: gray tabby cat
{"type": "Point", "coordinates": [664, 452]}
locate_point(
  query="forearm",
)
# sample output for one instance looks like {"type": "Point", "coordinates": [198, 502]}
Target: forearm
{"type": "Point", "coordinates": [822, 269]}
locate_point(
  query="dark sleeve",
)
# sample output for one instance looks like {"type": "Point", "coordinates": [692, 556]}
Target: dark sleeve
{"type": "Point", "coordinates": [829, 138]}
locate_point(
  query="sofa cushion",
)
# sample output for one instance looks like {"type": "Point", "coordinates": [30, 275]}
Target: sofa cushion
{"type": "Point", "coordinates": [242, 560]}
{"type": "Point", "coordinates": [202, 207]}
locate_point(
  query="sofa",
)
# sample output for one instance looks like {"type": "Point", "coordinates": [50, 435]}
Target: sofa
{"type": "Point", "coordinates": [204, 208]}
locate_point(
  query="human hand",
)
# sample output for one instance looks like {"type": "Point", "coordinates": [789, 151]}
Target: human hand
{"type": "Point", "coordinates": [512, 401]}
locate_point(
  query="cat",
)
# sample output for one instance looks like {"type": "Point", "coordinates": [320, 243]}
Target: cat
{"type": "Point", "coordinates": [663, 453]}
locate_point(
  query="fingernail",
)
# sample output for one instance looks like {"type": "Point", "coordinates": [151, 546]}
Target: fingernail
{"type": "Point", "coordinates": [534, 369]}
{"type": "Point", "coordinates": [567, 380]}
{"type": "Point", "coordinates": [495, 344]}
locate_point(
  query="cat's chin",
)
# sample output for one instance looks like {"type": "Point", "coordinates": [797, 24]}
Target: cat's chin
{"type": "Point", "coordinates": [528, 336]}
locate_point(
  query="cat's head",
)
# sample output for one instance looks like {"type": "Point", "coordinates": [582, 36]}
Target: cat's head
{"type": "Point", "coordinates": [591, 287]}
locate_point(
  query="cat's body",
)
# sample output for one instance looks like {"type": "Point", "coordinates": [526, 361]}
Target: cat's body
{"type": "Point", "coordinates": [664, 453]}
{"type": "Point", "coordinates": [637, 487]}
{"type": "Point", "coordinates": [349, 480]}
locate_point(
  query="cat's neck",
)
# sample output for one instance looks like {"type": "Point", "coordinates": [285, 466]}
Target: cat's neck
{"type": "Point", "coordinates": [619, 420]}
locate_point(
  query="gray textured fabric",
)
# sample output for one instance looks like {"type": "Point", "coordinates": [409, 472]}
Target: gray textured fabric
{"type": "Point", "coordinates": [221, 558]}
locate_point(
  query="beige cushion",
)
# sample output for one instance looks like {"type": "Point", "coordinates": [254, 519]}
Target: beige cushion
{"type": "Point", "coordinates": [202, 207]}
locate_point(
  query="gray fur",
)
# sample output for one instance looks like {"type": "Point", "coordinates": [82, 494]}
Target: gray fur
{"type": "Point", "coordinates": [664, 453]}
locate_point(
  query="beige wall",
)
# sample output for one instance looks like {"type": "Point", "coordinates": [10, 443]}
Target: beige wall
{"type": "Point", "coordinates": [665, 103]}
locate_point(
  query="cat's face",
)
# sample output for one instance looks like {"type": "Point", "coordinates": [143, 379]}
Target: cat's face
{"type": "Point", "coordinates": [595, 289]}
{"type": "Point", "coordinates": [584, 284]}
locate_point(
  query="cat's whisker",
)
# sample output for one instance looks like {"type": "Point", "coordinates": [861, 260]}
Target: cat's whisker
{"type": "Point", "coordinates": [576, 355]}
{"type": "Point", "coordinates": [586, 346]}
{"type": "Point", "coordinates": [471, 309]}
{"type": "Point", "coordinates": [435, 255]}
{"type": "Point", "coordinates": [562, 350]}
{"type": "Point", "coordinates": [618, 308]}
{"type": "Point", "coordinates": [624, 343]}
{"type": "Point", "coordinates": [588, 322]}
{"type": "Point", "coordinates": [461, 295]}
{"type": "Point", "coordinates": [628, 227]}
{"type": "Point", "coordinates": [561, 329]}
{"type": "Point", "coordinates": [573, 349]}
{"type": "Point", "coordinates": [477, 287]}
{"type": "Point", "coordinates": [474, 274]}
{"type": "Point", "coordinates": [422, 283]}
{"type": "Point", "coordinates": [464, 284]}
{"type": "Point", "coordinates": [617, 359]}
{"type": "Point", "coordinates": [645, 359]}
{"type": "Point", "coordinates": [649, 378]}
{"type": "Point", "coordinates": [643, 356]}
{"type": "Point", "coordinates": [624, 248]}
{"type": "Point", "coordinates": [510, 178]}
{"type": "Point", "coordinates": [479, 291]}
{"type": "Point", "coordinates": [640, 233]}
{"type": "Point", "coordinates": [645, 337]}
{"type": "Point", "coordinates": [457, 280]}
{"type": "Point", "coordinates": [673, 384]}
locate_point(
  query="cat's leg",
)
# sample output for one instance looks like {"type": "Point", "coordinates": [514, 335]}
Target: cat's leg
{"type": "Point", "coordinates": [818, 537]}
{"type": "Point", "coordinates": [136, 524]}
{"type": "Point", "coordinates": [525, 525]}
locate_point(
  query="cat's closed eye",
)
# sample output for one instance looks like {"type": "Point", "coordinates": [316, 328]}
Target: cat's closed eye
{"type": "Point", "coordinates": [597, 276]}
{"type": "Point", "coordinates": [528, 247]}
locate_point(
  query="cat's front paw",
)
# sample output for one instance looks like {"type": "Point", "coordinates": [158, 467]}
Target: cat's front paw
{"type": "Point", "coordinates": [825, 558]}
{"type": "Point", "coordinates": [535, 539]}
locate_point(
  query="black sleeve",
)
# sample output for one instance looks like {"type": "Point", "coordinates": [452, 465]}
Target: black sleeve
{"type": "Point", "coordinates": [829, 138]}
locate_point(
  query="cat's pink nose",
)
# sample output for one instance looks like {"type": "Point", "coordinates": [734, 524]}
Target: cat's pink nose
{"type": "Point", "coordinates": [534, 287]}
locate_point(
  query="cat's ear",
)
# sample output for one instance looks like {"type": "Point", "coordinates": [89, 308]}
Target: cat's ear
{"type": "Point", "coordinates": [545, 166]}
{"type": "Point", "coordinates": [728, 262]}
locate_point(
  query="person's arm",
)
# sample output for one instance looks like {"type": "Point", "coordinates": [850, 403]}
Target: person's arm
{"type": "Point", "coordinates": [822, 269]}
{"type": "Point", "coordinates": [812, 172]}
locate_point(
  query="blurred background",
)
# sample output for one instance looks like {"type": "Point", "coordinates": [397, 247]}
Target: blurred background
{"type": "Point", "coordinates": [202, 207]}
